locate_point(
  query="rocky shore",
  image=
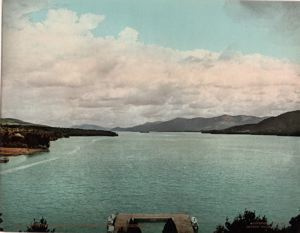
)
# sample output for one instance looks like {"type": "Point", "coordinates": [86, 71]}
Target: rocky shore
{"type": "Point", "coordinates": [9, 151]}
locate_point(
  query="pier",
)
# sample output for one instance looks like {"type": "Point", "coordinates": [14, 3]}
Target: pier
{"type": "Point", "coordinates": [182, 221]}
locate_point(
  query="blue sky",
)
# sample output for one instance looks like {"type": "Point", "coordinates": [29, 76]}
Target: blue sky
{"type": "Point", "coordinates": [186, 25]}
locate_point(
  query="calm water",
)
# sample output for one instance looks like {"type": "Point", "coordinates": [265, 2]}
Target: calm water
{"type": "Point", "coordinates": [85, 179]}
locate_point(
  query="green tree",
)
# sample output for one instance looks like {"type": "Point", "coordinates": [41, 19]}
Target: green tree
{"type": "Point", "coordinates": [248, 222]}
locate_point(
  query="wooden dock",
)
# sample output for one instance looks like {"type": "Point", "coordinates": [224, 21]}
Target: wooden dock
{"type": "Point", "coordinates": [182, 221]}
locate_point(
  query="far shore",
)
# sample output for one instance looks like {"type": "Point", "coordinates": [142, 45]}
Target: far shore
{"type": "Point", "coordinates": [15, 151]}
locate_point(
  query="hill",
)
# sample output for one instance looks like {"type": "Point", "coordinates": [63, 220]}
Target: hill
{"type": "Point", "coordinates": [286, 124]}
{"type": "Point", "coordinates": [194, 124]}
{"type": "Point", "coordinates": [12, 121]}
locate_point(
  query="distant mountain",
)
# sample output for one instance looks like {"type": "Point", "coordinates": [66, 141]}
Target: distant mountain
{"type": "Point", "coordinates": [193, 124]}
{"type": "Point", "coordinates": [138, 128]}
{"type": "Point", "coordinates": [287, 124]}
{"type": "Point", "coordinates": [88, 126]}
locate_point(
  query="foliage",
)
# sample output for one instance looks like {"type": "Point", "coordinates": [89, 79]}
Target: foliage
{"type": "Point", "coordinates": [248, 222]}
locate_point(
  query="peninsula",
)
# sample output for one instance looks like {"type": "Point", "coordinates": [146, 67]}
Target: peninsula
{"type": "Point", "coordinates": [18, 137]}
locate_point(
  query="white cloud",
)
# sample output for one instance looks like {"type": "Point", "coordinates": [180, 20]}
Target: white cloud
{"type": "Point", "coordinates": [129, 35]}
{"type": "Point", "coordinates": [67, 22]}
{"type": "Point", "coordinates": [58, 72]}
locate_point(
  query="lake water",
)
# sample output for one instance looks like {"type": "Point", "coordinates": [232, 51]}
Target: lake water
{"type": "Point", "coordinates": [85, 179]}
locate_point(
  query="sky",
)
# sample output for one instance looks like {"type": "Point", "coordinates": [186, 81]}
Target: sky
{"type": "Point", "coordinates": [126, 62]}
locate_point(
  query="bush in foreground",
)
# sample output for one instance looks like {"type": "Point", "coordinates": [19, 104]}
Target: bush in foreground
{"type": "Point", "coordinates": [39, 226]}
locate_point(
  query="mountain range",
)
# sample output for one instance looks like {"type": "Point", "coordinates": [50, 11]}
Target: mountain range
{"type": "Point", "coordinates": [286, 124]}
{"type": "Point", "coordinates": [193, 124]}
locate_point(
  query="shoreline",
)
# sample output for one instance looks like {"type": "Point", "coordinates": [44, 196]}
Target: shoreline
{"type": "Point", "coordinates": [16, 151]}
